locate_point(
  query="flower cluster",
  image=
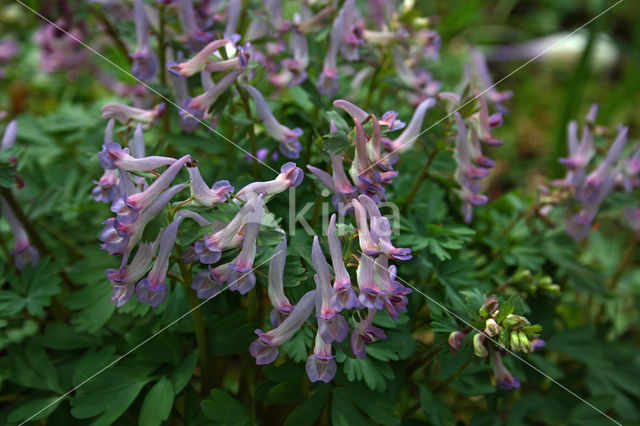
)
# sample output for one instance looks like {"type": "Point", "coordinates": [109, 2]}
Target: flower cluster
{"type": "Point", "coordinates": [498, 329]}
{"type": "Point", "coordinates": [590, 188]}
{"type": "Point", "coordinates": [136, 202]}
{"type": "Point", "coordinates": [334, 294]}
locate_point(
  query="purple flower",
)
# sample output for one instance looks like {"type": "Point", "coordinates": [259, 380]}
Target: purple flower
{"type": "Point", "coordinates": [331, 325]}
{"type": "Point", "coordinates": [106, 190]}
{"type": "Point", "coordinates": [321, 365]}
{"type": "Point", "coordinates": [136, 144]}
{"type": "Point", "coordinates": [343, 296]}
{"type": "Point", "coordinates": [371, 295]}
{"type": "Point", "coordinates": [505, 380]}
{"type": "Point", "coordinates": [241, 60]}
{"type": "Point", "coordinates": [196, 38]}
{"type": "Point", "coordinates": [381, 227]}
{"type": "Point", "coordinates": [327, 83]}
{"type": "Point", "coordinates": [580, 152]}
{"type": "Point", "coordinates": [113, 156]}
{"type": "Point", "coordinates": [353, 110]}
{"type": "Point", "coordinates": [265, 348]}
{"type": "Point", "coordinates": [23, 252]}
{"type": "Point", "coordinates": [287, 138]}
{"type": "Point", "coordinates": [479, 74]}
{"type": "Point", "coordinates": [119, 238]}
{"type": "Point", "coordinates": [579, 225]}
{"type": "Point", "coordinates": [537, 344]}
{"type": "Point", "coordinates": [368, 243]}
{"type": "Point", "coordinates": [290, 176]}
{"type": "Point", "coordinates": [124, 279]}
{"type": "Point", "coordinates": [364, 332]}
{"type": "Point", "coordinates": [362, 173]}
{"type": "Point", "coordinates": [126, 114]}
{"type": "Point", "coordinates": [198, 62]}
{"type": "Point", "coordinates": [281, 305]}
{"type": "Point", "coordinates": [412, 131]}
{"type": "Point", "coordinates": [202, 195]}
{"type": "Point", "coordinates": [594, 181]}
{"type": "Point", "coordinates": [144, 62]}
{"type": "Point", "coordinates": [10, 135]}
{"type": "Point", "coordinates": [205, 285]}
{"type": "Point", "coordinates": [233, 16]}
{"type": "Point", "coordinates": [153, 289]}
{"type": "Point", "coordinates": [199, 106]}
{"type": "Point", "coordinates": [241, 277]}
{"type": "Point", "coordinates": [210, 247]}
{"type": "Point", "coordinates": [129, 206]}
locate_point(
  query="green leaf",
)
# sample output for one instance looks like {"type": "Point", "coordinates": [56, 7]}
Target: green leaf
{"type": "Point", "coordinates": [435, 408]}
{"type": "Point", "coordinates": [343, 412]}
{"type": "Point", "coordinates": [308, 411]}
{"type": "Point", "coordinates": [374, 373]}
{"type": "Point", "coordinates": [109, 394]}
{"type": "Point", "coordinates": [157, 404]}
{"type": "Point", "coordinates": [299, 346]}
{"type": "Point", "coordinates": [336, 142]}
{"type": "Point", "coordinates": [183, 372]}
{"type": "Point", "coordinates": [223, 408]}
{"type": "Point", "coordinates": [27, 409]}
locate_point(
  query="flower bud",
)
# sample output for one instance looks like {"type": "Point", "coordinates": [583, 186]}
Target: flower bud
{"type": "Point", "coordinates": [478, 346]}
{"type": "Point", "coordinates": [492, 328]}
{"type": "Point", "coordinates": [515, 321]}
{"type": "Point", "coordinates": [489, 307]}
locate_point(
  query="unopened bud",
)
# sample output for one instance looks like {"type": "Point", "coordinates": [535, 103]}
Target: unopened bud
{"type": "Point", "coordinates": [478, 346]}
{"type": "Point", "coordinates": [492, 328]}
{"type": "Point", "coordinates": [515, 341]}
{"type": "Point", "coordinates": [455, 340]}
{"type": "Point", "coordinates": [521, 275]}
{"type": "Point", "coordinates": [489, 307]}
{"type": "Point", "coordinates": [525, 344]}
{"type": "Point", "coordinates": [515, 321]}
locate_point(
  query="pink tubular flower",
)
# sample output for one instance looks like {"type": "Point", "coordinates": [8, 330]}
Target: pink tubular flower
{"type": "Point", "coordinates": [209, 249]}
{"type": "Point", "coordinates": [106, 190]}
{"type": "Point", "coordinates": [23, 252]}
{"type": "Point", "coordinates": [126, 114]}
{"type": "Point", "coordinates": [120, 238]}
{"type": "Point", "coordinates": [153, 289]}
{"type": "Point", "coordinates": [124, 279]}
{"type": "Point", "coordinates": [129, 206]}
{"type": "Point", "coordinates": [113, 156]}
{"type": "Point", "coordinates": [202, 195]}
{"type": "Point", "coordinates": [287, 138]}
{"type": "Point", "coordinates": [241, 60]}
{"type": "Point", "coordinates": [205, 286]}
{"type": "Point", "coordinates": [331, 325]}
{"type": "Point", "coordinates": [281, 305]}
{"type": "Point", "coordinates": [10, 135]}
{"type": "Point", "coordinates": [594, 180]}
{"type": "Point", "coordinates": [199, 106]}
{"type": "Point", "coordinates": [362, 173]}
{"type": "Point", "coordinates": [381, 227]}
{"type": "Point", "coordinates": [265, 348]}
{"type": "Point", "coordinates": [144, 62]}
{"type": "Point", "coordinates": [241, 277]}
{"type": "Point", "coordinates": [364, 332]}
{"type": "Point", "coordinates": [371, 295]}
{"type": "Point", "coordinates": [290, 176]}
{"type": "Point", "coordinates": [353, 110]}
{"type": "Point", "coordinates": [368, 244]}
{"type": "Point", "coordinates": [321, 365]}
{"type": "Point", "coordinates": [408, 137]}
{"type": "Point", "coordinates": [580, 152]}
{"type": "Point", "coordinates": [198, 62]}
{"type": "Point", "coordinates": [456, 338]}
{"type": "Point", "coordinates": [343, 295]}
{"type": "Point", "coordinates": [327, 83]}
{"type": "Point", "coordinates": [505, 380]}
{"type": "Point", "coordinates": [479, 73]}
{"type": "Point", "coordinates": [196, 38]}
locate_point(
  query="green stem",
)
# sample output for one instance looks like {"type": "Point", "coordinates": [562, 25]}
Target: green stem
{"type": "Point", "coordinates": [252, 133]}
{"type": "Point", "coordinates": [198, 325]}
{"type": "Point", "coordinates": [423, 176]}
{"type": "Point", "coordinates": [453, 376]}
{"type": "Point", "coordinates": [374, 81]}
{"type": "Point", "coordinates": [622, 266]}
{"type": "Point", "coordinates": [162, 52]}
{"type": "Point", "coordinates": [113, 33]}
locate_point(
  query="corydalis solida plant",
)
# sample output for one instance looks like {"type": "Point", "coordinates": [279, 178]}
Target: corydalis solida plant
{"type": "Point", "coordinates": [345, 297]}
